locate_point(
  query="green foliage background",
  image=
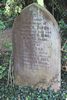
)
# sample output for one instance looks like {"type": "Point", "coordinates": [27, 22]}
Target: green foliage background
{"type": "Point", "coordinates": [7, 14]}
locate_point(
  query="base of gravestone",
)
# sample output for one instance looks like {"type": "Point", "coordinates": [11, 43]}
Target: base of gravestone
{"type": "Point", "coordinates": [37, 79]}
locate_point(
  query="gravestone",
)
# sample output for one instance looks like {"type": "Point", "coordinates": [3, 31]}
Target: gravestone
{"type": "Point", "coordinates": [36, 48]}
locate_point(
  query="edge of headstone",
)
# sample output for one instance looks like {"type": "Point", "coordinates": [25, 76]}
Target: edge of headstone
{"type": "Point", "coordinates": [50, 16]}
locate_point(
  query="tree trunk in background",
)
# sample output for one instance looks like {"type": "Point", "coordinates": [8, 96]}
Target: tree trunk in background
{"type": "Point", "coordinates": [41, 2]}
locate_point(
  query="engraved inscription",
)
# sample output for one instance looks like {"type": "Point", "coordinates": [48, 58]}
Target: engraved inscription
{"type": "Point", "coordinates": [38, 41]}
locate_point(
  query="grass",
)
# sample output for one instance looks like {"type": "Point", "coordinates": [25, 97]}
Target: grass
{"type": "Point", "coordinates": [28, 93]}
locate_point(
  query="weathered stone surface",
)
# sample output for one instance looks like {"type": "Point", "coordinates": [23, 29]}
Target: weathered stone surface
{"type": "Point", "coordinates": [36, 43]}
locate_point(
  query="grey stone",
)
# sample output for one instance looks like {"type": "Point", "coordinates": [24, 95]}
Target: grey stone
{"type": "Point", "coordinates": [36, 48]}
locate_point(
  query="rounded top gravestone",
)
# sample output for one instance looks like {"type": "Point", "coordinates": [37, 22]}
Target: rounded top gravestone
{"type": "Point", "coordinates": [36, 48]}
